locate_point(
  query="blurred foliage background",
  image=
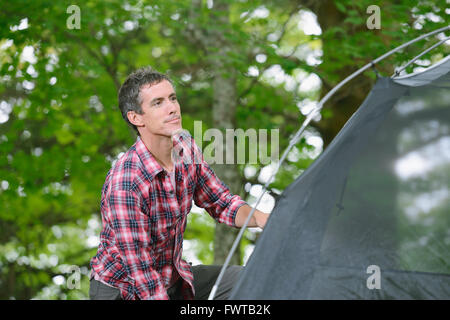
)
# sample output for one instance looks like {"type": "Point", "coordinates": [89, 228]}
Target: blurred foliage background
{"type": "Point", "coordinates": [236, 63]}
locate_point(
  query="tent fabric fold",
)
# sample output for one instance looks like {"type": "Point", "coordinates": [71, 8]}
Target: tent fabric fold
{"type": "Point", "coordinates": [376, 199]}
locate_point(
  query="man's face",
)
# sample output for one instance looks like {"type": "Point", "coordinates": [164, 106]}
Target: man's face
{"type": "Point", "coordinates": [162, 114]}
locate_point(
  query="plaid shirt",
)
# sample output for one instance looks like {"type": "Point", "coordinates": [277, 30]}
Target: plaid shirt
{"type": "Point", "coordinates": [144, 218]}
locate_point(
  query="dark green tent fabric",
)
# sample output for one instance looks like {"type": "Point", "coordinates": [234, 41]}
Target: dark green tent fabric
{"type": "Point", "coordinates": [378, 198]}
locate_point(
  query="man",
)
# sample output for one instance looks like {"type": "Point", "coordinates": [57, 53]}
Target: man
{"type": "Point", "coordinates": [145, 201]}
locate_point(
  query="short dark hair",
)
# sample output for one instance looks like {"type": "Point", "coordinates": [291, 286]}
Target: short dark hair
{"type": "Point", "coordinates": [129, 92]}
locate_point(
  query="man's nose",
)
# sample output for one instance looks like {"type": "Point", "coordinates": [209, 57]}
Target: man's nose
{"type": "Point", "coordinates": [173, 107]}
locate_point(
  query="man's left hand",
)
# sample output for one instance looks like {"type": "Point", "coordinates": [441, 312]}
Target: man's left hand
{"type": "Point", "coordinates": [261, 218]}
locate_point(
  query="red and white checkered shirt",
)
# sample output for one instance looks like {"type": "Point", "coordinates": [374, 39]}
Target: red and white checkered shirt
{"type": "Point", "coordinates": [144, 218]}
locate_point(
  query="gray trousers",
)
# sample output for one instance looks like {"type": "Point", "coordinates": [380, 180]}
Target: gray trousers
{"type": "Point", "coordinates": [204, 279]}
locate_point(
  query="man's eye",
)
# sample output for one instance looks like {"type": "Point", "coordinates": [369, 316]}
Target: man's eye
{"type": "Point", "coordinates": [174, 98]}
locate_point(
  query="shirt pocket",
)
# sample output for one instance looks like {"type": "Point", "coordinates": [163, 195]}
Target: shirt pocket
{"type": "Point", "coordinates": [188, 187]}
{"type": "Point", "coordinates": [162, 230]}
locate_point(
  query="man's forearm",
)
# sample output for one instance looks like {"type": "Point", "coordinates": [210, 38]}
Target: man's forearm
{"type": "Point", "coordinates": [258, 218]}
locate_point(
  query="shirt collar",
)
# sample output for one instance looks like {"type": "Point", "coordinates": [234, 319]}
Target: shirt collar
{"type": "Point", "coordinates": [151, 166]}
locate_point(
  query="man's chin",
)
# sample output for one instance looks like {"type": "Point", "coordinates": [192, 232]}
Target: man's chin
{"type": "Point", "coordinates": [177, 131]}
{"type": "Point", "coordinates": [172, 131]}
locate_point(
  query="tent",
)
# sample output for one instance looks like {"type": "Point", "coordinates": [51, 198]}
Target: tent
{"type": "Point", "coordinates": [370, 218]}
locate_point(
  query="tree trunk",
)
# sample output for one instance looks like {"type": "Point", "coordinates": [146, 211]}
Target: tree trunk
{"type": "Point", "coordinates": [223, 114]}
{"type": "Point", "coordinates": [224, 104]}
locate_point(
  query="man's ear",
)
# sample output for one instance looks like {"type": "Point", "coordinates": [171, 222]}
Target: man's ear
{"type": "Point", "coordinates": [135, 118]}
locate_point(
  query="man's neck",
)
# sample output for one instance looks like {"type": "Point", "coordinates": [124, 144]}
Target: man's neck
{"type": "Point", "coordinates": [161, 149]}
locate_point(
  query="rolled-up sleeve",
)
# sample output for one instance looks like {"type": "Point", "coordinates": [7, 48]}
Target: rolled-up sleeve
{"type": "Point", "coordinates": [215, 197]}
{"type": "Point", "coordinates": [133, 240]}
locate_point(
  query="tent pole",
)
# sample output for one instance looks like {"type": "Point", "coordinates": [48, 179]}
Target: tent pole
{"type": "Point", "coordinates": [397, 73]}
{"type": "Point", "coordinates": [367, 66]}
{"type": "Point", "coordinates": [296, 138]}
